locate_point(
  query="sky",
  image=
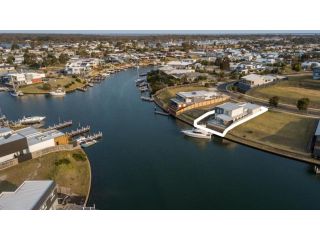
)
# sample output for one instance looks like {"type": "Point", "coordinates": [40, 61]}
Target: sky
{"type": "Point", "coordinates": [149, 32]}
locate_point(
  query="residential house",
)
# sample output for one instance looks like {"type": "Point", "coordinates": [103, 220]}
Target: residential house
{"type": "Point", "coordinates": [255, 80]}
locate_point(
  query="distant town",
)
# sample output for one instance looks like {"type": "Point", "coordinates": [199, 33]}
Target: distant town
{"type": "Point", "coordinates": [262, 91]}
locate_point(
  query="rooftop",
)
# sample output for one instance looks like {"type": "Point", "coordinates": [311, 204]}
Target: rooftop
{"type": "Point", "coordinates": [229, 106]}
{"type": "Point", "coordinates": [28, 196]}
{"type": "Point", "coordinates": [200, 93]}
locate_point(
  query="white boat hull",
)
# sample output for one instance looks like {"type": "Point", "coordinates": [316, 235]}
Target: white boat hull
{"type": "Point", "coordinates": [190, 133]}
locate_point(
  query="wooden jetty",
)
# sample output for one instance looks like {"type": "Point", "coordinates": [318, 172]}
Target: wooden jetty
{"type": "Point", "coordinates": [60, 125]}
{"type": "Point", "coordinates": [161, 113]}
{"type": "Point", "coordinates": [78, 131]}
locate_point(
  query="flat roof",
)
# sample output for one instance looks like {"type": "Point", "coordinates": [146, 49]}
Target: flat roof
{"type": "Point", "coordinates": [5, 130]}
{"type": "Point", "coordinates": [28, 196]}
{"type": "Point", "coordinates": [200, 93]}
{"type": "Point", "coordinates": [224, 117]}
{"type": "Point", "coordinates": [229, 106]}
{"type": "Point", "coordinates": [35, 136]}
{"type": "Point", "coordinates": [10, 138]}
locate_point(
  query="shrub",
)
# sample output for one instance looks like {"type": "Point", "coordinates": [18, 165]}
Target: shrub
{"type": "Point", "coordinates": [79, 157]}
{"type": "Point", "coordinates": [63, 161]}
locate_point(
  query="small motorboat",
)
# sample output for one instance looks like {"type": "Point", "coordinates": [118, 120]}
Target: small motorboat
{"type": "Point", "coordinates": [88, 143]}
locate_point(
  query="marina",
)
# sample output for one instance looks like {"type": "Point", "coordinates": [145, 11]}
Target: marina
{"type": "Point", "coordinates": [60, 125]}
{"type": "Point", "coordinates": [78, 131]}
{"type": "Point", "coordinates": [173, 171]}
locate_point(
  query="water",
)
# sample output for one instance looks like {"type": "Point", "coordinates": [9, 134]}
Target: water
{"type": "Point", "coordinates": [144, 162]}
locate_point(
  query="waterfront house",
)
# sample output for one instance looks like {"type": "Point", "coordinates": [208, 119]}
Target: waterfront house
{"type": "Point", "coordinates": [227, 113]}
{"type": "Point", "coordinates": [184, 99]}
{"type": "Point", "coordinates": [21, 79]}
{"type": "Point", "coordinates": [26, 143]}
{"type": "Point", "coordinates": [255, 80]}
{"type": "Point", "coordinates": [31, 195]}
{"type": "Point", "coordinates": [316, 73]}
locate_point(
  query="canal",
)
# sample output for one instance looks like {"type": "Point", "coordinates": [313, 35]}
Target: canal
{"type": "Point", "coordinates": [144, 162]}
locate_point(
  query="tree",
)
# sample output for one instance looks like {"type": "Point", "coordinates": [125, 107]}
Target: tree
{"type": "Point", "coordinates": [274, 101]}
{"type": "Point", "coordinates": [14, 46]}
{"type": "Point", "coordinates": [303, 103]}
{"type": "Point", "coordinates": [10, 59]}
{"type": "Point", "coordinates": [296, 67]}
{"type": "Point", "coordinates": [63, 58]}
{"type": "Point", "coordinates": [46, 86]}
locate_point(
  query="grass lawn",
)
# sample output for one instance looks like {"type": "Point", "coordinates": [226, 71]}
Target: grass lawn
{"type": "Point", "coordinates": [55, 83]}
{"type": "Point", "coordinates": [276, 129]}
{"type": "Point", "coordinates": [289, 91]}
{"type": "Point", "coordinates": [166, 95]}
{"type": "Point", "coordinates": [68, 169]}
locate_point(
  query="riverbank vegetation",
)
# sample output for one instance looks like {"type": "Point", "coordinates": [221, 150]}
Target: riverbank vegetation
{"type": "Point", "coordinates": [69, 169]}
{"type": "Point", "coordinates": [281, 130]}
{"type": "Point", "coordinates": [159, 80]}
{"type": "Point", "coordinates": [291, 90]}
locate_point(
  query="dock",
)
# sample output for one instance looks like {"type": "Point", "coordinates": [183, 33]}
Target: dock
{"type": "Point", "coordinates": [161, 113]}
{"type": "Point", "coordinates": [60, 125]}
{"type": "Point", "coordinates": [148, 99]}
{"type": "Point", "coordinates": [78, 131]}
{"type": "Point", "coordinates": [94, 136]}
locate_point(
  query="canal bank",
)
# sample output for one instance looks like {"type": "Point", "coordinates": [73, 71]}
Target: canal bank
{"type": "Point", "coordinates": [144, 162]}
{"type": "Point", "coordinates": [294, 155]}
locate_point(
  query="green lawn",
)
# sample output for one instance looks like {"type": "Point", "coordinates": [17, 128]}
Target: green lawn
{"type": "Point", "coordinates": [276, 129]}
{"type": "Point", "coordinates": [67, 169]}
{"type": "Point", "coordinates": [289, 91]}
{"type": "Point", "coordinates": [55, 83]}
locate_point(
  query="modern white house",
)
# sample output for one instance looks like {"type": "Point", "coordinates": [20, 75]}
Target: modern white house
{"type": "Point", "coordinates": [78, 66]}
{"type": "Point", "coordinates": [31, 195]}
{"type": "Point", "coordinates": [21, 79]}
{"type": "Point", "coordinates": [227, 116]}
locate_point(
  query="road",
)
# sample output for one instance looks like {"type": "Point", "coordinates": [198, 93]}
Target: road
{"type": "Point", "coordinates": [282, 107]}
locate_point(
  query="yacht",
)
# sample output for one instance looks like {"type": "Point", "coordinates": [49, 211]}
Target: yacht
{"type": "Point", "coordinates": [15, 93]}
{"type": "Point", "coordinates": [197, 133]}
{"type": "Point", "coordinates": [31, 120]}
{"type": "Point", "coordinates": [88, 143]}
{"type": "Point", "coordinates": [81, 139]}
{"type": "Point", "coordinates": [58, 92]}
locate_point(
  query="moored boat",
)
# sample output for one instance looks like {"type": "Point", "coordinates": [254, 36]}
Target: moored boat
{"type": "Point", "coordinates": [31, 120]}
{"type": "Point", "coordinates": [88, 143]}
{"type": "Point", "coordinates": [197, 133]}
{"type": "Point", "coordinates": [58, 92]}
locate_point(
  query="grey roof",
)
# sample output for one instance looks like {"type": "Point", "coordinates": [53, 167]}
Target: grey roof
{"type": "Point", "coordinates": [5, 130]}
{"type": "Point", "coordinates": [224, 117]}
{"type": "Point", "coordinates": [229, 106]}
{"type": "Point", "coordinates": [35, 136]}
{"type": "Point", "coordinates": [10, 138]}
{"type": "Point", "coordinates": [30, 195]}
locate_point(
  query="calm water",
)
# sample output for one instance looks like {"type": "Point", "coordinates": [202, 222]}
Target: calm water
{"type": "Point", "coordinates": [143, 162]}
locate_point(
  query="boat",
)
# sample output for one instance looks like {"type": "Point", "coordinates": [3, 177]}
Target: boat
{"type": "Point", "coordinates": [15, 93]}
{"type": "Point", "coordinates": [31, 120]}
{"type": "Point", "coordinates": [143, 89]}
{"type": "Point", "coordinates": [197, 133]}
{"type": "Point", "coordinates": [81, 139]}
{"type": "Point", "coordinates": [90, 84]}
{"type": "Point", "coordinates": [88, 143]}
{"type": "Point", "coordinates": [58, 92]}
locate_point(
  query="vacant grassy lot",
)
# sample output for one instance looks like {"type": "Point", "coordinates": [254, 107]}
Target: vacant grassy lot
{"type": "Point", "coordinates": [289, 91]}
{"type": "Point", "coordinates": [69, 169]}
{"type": "Point", "coordinates": [167, 94]}
{"type": "Point", "coordinates": [276, 129]}
{"type": "Point", "coordinates": [63, 82]}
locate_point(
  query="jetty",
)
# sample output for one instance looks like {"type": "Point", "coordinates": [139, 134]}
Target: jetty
{"type": "Point", "coordinates": [148, 99]}
{"type": "Point", "coordinates": [60, 125]}
{"type": "Point", "coordinates": [94, 136]}
{"type": "Point", "coordinates": [161, 113]}
{"type": "Point", "coordinates": [78, 131]}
